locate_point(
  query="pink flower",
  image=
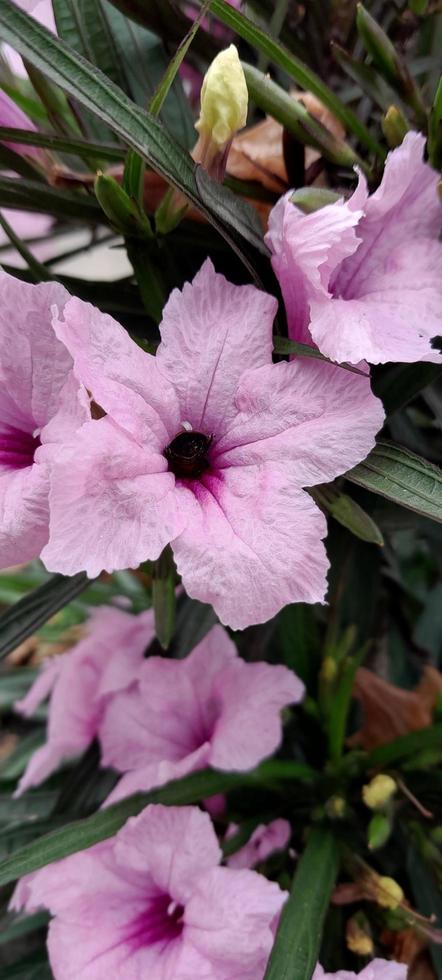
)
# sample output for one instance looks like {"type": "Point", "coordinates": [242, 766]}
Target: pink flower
{"type": "Point", "coordinates": [41, 403]}
{"type": "Point", "coordinates": [153, 902]}
{"type": "Point", "coordinates": [376, 970]}
{"type": "Point", "coordinates": [362, 278]}
{"type": "Point", "coordinates": [12, 116]}
{"type": "Point", "coordinates": [210, 709]}
{"type": "Point", "coordinates": [81, 684]}
{"type": "Point", "coordinates": [265, 840]}
{"type": "Point", "coordinates": [207, 446]}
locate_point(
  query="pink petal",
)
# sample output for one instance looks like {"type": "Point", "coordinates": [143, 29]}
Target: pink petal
{"type": "Point", "coordinates": [121, 497]}
{"type": "Point", "coordinates": [13, 117]}
{"type": "Point", "coordinates": [252, 545]}
{"type": "Point", "coordinates": [123, 379]}
{"type": "Point", "coordinates": [154, 774]}
{"type": "Point", "coordinates": [41, 688]}
{"type": "Point", "coordinates": [210, 332]}
{"type": "Point", "coordinates": [24, 514]}
{"type": "Point", "coordinates": [306, 249]}
{"type": "Point", "coordinates": [376, 970]}
{"type": "Point", "coordinates": [265, 840]}
{"type": "Point", "coordinates": [249, 726]}
{"type": "Point", "coordinates": [315, 419]}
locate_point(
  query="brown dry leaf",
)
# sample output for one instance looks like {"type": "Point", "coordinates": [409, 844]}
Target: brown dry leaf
{"type": "Point", "coordinates": [8, 742]}
{"type": "Point", "coordinates": [390, 711]}
{"type": "Point", "coordinates": [34, 650]}
{"type": "Point", "coordinates": [408, 946]}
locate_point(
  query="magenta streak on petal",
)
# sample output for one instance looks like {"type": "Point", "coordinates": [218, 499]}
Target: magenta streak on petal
{"type": "Point", "coordinates": [161, 922]}
{"type": "Point", "coordinates": [17, 448]}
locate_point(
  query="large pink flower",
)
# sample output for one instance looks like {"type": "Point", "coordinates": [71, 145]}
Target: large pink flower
{"type": "Point", "coordinates": [208, 446]}
{"type": "Point", "coordinates": [210, 709]}
{"type": "Point", "coordinates": [153, 902]}
{"type": "Point", "coordinates": [363, 278]}
{"type": "Point", "coordinates": [376, 970]}
{"type": "Point", "coordinates": [41, 403]}
{"type": "Point", "coordinates": [82, 683]}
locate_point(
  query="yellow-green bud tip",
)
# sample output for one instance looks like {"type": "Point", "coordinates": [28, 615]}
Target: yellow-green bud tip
{"type": "Point", "coordinates": [388, 893]}
{"type": "Point", "coordinates": [224, 98]}
{"type": "Point", "coordinates": [358, 940]}
{"type": "Point", "coordinates": [379, 791]}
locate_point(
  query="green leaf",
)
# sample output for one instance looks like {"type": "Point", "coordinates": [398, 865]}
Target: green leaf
{"type": "Point", "coordinates": [347, 512]}
{"type": "Point", "coordinates": [166, 19]}
{"type": "Point", "coordinates": [15, 764]}
{"type": "Point", "coordinates": [234, 219]}
{"type": "Point", "coordinates": [27, 195]}
{"type": "Point", "coordinates": [435, 130]}
{"type": "Point", "coordinates": [15, 927]}
{"type": "Point", "coordinates": [193, 622]}
{"type": "Point", "coordinates": [162, 91]}
{"type": "Point", "coordinates": [14, 684]}
{"type": "Point", "coordinates": [296, 948]}
{"type": "Point", "coordinates": [296, 69]}
{"type": "Point", "coordinates": [405, 746]}
{"type": "Point", "coordinates": [403, 477]}
{"type": "Point", "coordinates": [32, 967]}
{"type": "Point", "coordinates": [59, 144]}
{"type": "Point", "coordinates": [283, 345]}
{"type": "Point", "coordinates": [81, 834]}
{"type": "Point", "coordinates": [365, 77]}
{"type": "Point", "coordinates": [29, 613]}
{"type": "Point", "coordinates": [340, 706]}
{"type": "Point", "coordinates": [428, 899]}
{"type": "Point", "coordinates": [300, 642]}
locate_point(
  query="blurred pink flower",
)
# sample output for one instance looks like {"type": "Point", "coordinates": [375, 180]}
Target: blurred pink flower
{"type": "Point", "coordinates": [376, 970]}
{"type": "Point", "coordinates": [153, 902]}
{"type": "Point", "coordinates": [265, 840]}
{"type": "Point", "coordinates": [41, 403]}
{"type": "Point", "coordinates": [210, 709]}
{"type": "Point", "coordinates": [362, 278]}
{"type": "Point", "coordinates": [208, 446]}
{"type": "Point", "coordinates": [12, 116]}
{"type": "Point", "coordinates": [81, 683]}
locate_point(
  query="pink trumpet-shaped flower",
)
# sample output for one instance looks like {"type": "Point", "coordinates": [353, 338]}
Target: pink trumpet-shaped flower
{"type": "Point", "coordinates": [207, 446]}
{"type": "Point", "coordinates": [376, 970]}
{"type": "Point", "coordinates": [82, 683]}
{"type": "Point", "coordinates": [265, 840]}
{"type": "Point", "coordinates": [362, 278]}
{"type": "Point", "coordinates": [41, 403]}
{"type": "Point", "coordinates": [153, 902]}
{"type": "Point", "coordinates": [210, 709]}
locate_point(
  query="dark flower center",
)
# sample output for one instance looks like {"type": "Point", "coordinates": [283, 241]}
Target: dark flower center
{"type": "Point", "coordinates": [187, 454]}
{"type": "Point", "coordinates": [162, 922]}
{"type": "Point", "coordinates": [17, 448]}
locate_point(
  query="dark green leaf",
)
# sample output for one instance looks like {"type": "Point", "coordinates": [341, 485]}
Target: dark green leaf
{"type": "Point", "coordinates": [428, 899]}
{"type": "Point", "coordinates": [15, 927]}
{"type": "Point", "coordinates": [193, 622]}
{"type": "Point", "coordinates": [365, 77]}
{"type": "Point", "coordinates": [347, 512]}
{"type": "Point", "coordinates": [29, 613]}
{"type": "Point", "coordinates": [405, 746]}
{"type": "Point", "coordinates": [398, 384]}
{"type": "Point", "coordinates": [300, 642]}
{"type": "Point", "coordinates": [14, 684]}
{"type": "Point", "coordinates": [235, 220]}
{"type": "Point", "coordinates": [26, 195]}
{"type": "Point", "coordinates": [403, 477]}
{"type": "Point", "coordinates": [296, 948]}
{"type": "Point", "coordinates": [15, 764]}
{"type": "Point", "coordinates": [59, 144]}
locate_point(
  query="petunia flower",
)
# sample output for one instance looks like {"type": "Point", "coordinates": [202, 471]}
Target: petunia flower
{"type": "Point", "coordinates": [362, 278]}
{"type": "Point", "coordinates": [82, 683]}
{"type": "Point", "coordinates": [41, 403]}
{"type": "Point", "coordinates": [265, 840]}
{"type": "Point", "coordinates": [210, 709]}
{"type": "Point", "coordinates": [207, 446]}
{"type": "Point", "coordinates": [153, 902]}
{"type": "Point", "coordinates": [376, 970]}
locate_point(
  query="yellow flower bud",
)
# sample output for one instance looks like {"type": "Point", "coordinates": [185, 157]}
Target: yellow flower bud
{"type": "Point", "coordinates": [358, 940]}
{"type": "Point", "coordinates": [379, 791]}
{"type": "Point", "coordinates": [388, 893]}
{"type": "Point", "coordinates": [224, 98]}
{"type": "Point", "coordinates": [336, 807]}
{"type": "Point", "coordinates": [328, 670]}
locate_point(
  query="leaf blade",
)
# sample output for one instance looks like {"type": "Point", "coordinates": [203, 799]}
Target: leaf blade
{"type": "Point", "coordinates": [401, 476]}
{"type": "Point", "coordinates": [30, 612]}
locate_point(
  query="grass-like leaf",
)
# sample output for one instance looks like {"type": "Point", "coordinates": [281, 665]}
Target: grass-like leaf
{"type": "Point", "coordinates": [403, 477]}
{"type": "Point", "coordinates": [296, 948]}
{"type": "Point", "coordinates": [28, 614]}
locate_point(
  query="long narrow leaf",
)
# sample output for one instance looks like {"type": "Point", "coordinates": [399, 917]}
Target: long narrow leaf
{"type": "Point", "coordinates": [296, 948]}
{"type": "Point", "coordinates": [29, 613]}
{"type": "Point", "coordinates": [403, 477]}
{"type": "Point", "coordinates": [58, 144]}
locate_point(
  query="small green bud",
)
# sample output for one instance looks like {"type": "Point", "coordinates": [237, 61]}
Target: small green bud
{"type": "Point", "coordinates": [379, 830]}
{"type": "Point", "coordinates": [123, 213]}
{"type": "Point", "coordinates": [388, 62]}
{"type": "Point", "coordinates": [394, 126]}
{"type": "Point", "coordinates": [309, 199]}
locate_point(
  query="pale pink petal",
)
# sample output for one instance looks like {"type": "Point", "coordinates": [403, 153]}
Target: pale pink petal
{"type": "Point", "coordinates": [230, 919]}
{"type": "Point", "coordinates": [305, 251]}
{"type": "Point", "coordinates": [265, 840]}
{"type": "Point", "coordinates": [252, 545]}
{"type": "Point", "coordinates": [112, 503]}
{"type": "Point", "coordinates": [181, 844]}
{"type": "Point", "coordinates": [376, 970]}
{"type": "Point", "coordinates": [210, 332]}
{"type": "Point", "coordinates": [23, 514]}
{"type": "Point", "coordinates": [14, 118]}
{"type": "Point", "coordinates": [249, 727]}
{"type": "Point", "coordinates": [49, 757]}
{"type": "Point", "coordinates": [156, 774]}
{"type": "Point", "coordinates": [123, 379]}
{"type": "Point", "coordinates": [316, 419]}
{"type": "Point", "coordinates": [41, 688]}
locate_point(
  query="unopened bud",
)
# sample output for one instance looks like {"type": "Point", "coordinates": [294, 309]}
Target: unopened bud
{"type": "Point", "coordinates": [122, 212]}
{"type": "Point", "coordinates": [379, 830]}
{"type": "Point", "coordinates": [336, 807]}
{"type": "Point", "coordinates": [394, 126]}
{"type": "Point", "coordinates": [328, 670]}
{"type": "Point", "coordinates": [377, 793]}
{"type": "Point", "coordinates": [358, 938]}
{"type": "Point", "coordinates": [387, 893]}
{"type": "Point", "coordinates": [224, 98]}
{"type": "Point", "coordinates": [309, 199]}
